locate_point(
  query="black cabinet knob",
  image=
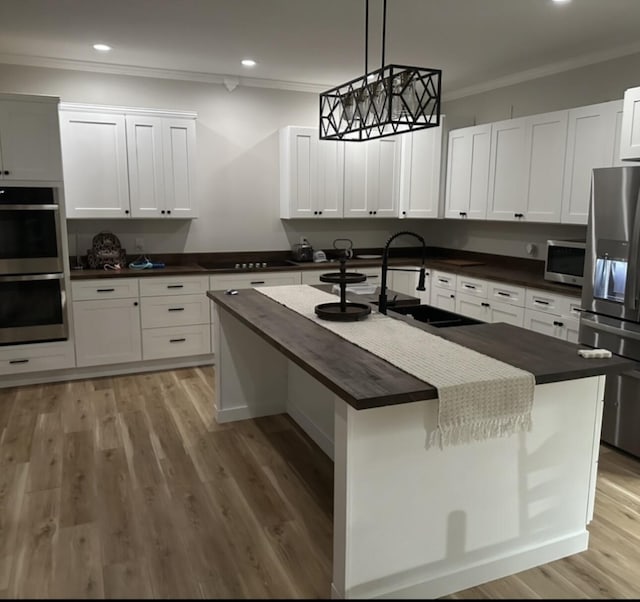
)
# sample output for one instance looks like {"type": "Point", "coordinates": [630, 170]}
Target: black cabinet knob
{"type": "Point", "coordinates": [126, 211]}
{"type": "Point", "coordinates": [315, 213]}
{"type": "Point", "coordinates": [162, 211]}
{"type": "Point", "coordinates": [319, 212]}
{"type": "Point", "coordinates": [6, 172]}
{"type": "Point", "coordinates": [404, 213]}
{"type": "Point", "coordinates": [375, 213]}
{"type": "Point", "coordinates": [135, 304]}
{"type": "Point", "coordinates": [168, 211]}
{"type": "Point", "coordinates": [452, 296]}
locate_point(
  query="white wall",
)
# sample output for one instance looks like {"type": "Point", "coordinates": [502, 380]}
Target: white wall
{"type": "Point", "coordinates": [237, 182]}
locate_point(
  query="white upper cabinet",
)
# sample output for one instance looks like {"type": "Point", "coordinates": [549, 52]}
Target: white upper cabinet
{"type": "Point", "coordinates": [311, 174]}
{"type": "Point", "coordinates": [94, 157]}
{"type": "Point", "coordinates": [546, 148]}
{"type": "Point", "coordinates": [29, 138]}
{"type": "Point", "coordinates": [468, 172]}
{"type": "Point", "coordinates": [630, 135]}
{"type": "Point", "coordinates": [420, 190]}
{"type": "Point", "coordinates": [590, 143]}
{"type": "Point", "coordinates": [527, 168]}
{"type": "Point", "coordinates": [161, 156]}
{"type": "Point", "coordinates": [372, 177]}
{"type": "Point", "coordinates": [508, 170]}
{"type": "Point", "coordinates": [128, 162]}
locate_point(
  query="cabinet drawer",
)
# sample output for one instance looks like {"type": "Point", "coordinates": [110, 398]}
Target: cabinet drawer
{"type": "Point", "coordinates": [175, 310]}
{"type": "Point", "coordinates": [552, 302]}
{"type": "Point", "coordinates": [443, 280]}
{"type": "Point", "coordinates": [188, 285]}
{"type": "Point", "coordinates": [107, 288]}
{"type": "Point", "coordinates": [255, 279]}
{"type": "Point", "coordinates": [506, 293]}
{"type": "Point", "coordinates": [36, 358]}
{"type": "Point", "coordinates": [177, 341]}
{"type": "Point", "coordinates": [472, 286]}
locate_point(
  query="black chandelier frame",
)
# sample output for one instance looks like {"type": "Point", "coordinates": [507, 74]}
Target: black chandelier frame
{"type": "Point", "coordinates": [388, 101]}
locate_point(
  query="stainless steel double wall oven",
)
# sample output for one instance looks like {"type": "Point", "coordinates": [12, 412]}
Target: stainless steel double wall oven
{"type": "Point", "coordinates": [33, 304]}
{"type": "Point", "coordinates": [611, 295]}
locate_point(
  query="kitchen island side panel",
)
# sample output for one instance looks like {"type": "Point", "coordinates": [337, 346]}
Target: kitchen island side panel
{"type": "Point", "coordinates": [425, 522]}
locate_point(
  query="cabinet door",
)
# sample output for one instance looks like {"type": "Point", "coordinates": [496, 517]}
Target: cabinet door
{"type": "Point", "coordinates": [330, 183]}
{"type": "Point", "coordinates": [355, 179]}
{"type": "Point", "coordinates": [508, 170]}
{"type": "Point", "coordinates": [467, 183]}
{"type": "Point", "coordinates": [30, 141]}
{"type": "Point", "coordinates": [298, 171]}
{"type": "Point", "coordinates": [630, 138]}
{"type": "Point", "coordinates": [468, 305]}
{"type": "Point", "coordinates": [443, 298]}
{"type": "Point", "coordinates": [590, 142]}
{"type": "Point", "coordinates": [546, 151]}
{"type": "Point", "coordinates": [542, 322]}
{"type": "Point", "coordinates": [383, 175]}
{"type": "Point", "coordinates": [107, 332]}
{"type": "Point", "coordinates": [505, 312]}
{"type": "Point", "coordinates": [94, 152]}
{"type": "Point", "coordinates": [146, 167]}
{"type": "Point", "coordinates": [420, 173]}
{"type": "Point", "coordinates": [179, 154]}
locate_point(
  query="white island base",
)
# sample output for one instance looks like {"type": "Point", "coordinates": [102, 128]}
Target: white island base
{"type": "Point", "coordinates": [417, 522]}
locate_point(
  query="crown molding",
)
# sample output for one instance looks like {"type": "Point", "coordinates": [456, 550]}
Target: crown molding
{"type": "Point", "coordinates": [174, 74]}
{"type": "Point", "coordinates": [551, 69]}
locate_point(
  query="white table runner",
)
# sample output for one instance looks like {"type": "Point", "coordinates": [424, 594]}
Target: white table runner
{"type": "Point", "coordinates": [479, 397]}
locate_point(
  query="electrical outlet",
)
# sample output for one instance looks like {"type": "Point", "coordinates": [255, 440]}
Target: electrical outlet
{"type": "Point", "coordinates": [139, 244]}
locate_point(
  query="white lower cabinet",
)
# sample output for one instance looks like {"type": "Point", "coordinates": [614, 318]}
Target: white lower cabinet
{"type": "Point", "coordinates": [18, 359]}
{"type": "Point", "coordinates": [107, 331]}
{"type": "Point", "coordinates": [443, 290]}
{"type": "Point", "coordinates": [121, 320]}
{"type": "Point", "coordinates": [505, 312]}
{"type": "Point", "coordinates": [554, 314]}
{"type": "Point", "coordinates": [473, 307]}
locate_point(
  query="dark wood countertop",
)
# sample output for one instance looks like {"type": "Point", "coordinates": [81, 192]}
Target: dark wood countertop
{"type": "Point", "coordinates": [518, 272]}
{"type": "Point", "coordinates": [367, 381]}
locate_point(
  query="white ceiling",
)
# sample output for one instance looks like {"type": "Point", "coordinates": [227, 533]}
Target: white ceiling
{"type": "Point", "coordinates": [315, 44]}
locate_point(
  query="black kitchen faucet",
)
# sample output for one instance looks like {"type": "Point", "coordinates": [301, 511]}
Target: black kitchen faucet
{"type": "Point", "coordinates": [382, 299]}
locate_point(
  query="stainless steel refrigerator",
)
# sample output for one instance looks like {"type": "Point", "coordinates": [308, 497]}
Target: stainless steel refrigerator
{"type": "Point", "coordinates": [611, 295]}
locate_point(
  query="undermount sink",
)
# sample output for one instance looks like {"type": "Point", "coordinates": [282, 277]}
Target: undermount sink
{"type": "Point", "coordinates": [434, 316]}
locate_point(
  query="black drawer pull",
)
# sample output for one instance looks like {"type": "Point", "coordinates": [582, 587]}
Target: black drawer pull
{"type": "Point", "coordinates": [176, 309]}
{"type": "Point", "coordinates": [105, 290]}
{"type": "Point", "coordinates": [257, 282]}
{"type": "Point", "coordinates": [175, 285]}
{"type": "Point", "coordinates": [469, 286]}
{"type": "Point", "coordinates": [503, 294]}
{"type": "Point", "coordinates": [372, 277]}
{"type": "Point", "coordinates": [443, 281]}
{"type": "Point", "coordinates": [541, 302]}
{"type": "Point", "coordinates": [18, 361]}
{"type": "Point", "coordinates": [485, 305]}
{"type": "Point", "coordinates": [557, 323]}
{"type": "Point", "coordinates": [452, 296]}
{"type": "Point", "coordinates": [177, 340]}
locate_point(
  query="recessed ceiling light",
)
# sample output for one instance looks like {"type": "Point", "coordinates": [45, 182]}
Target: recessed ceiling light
{"type": "Point", "coordinates": [102, 47]}
{"type": "Point", "coordinates": [248, 63]}
{"type": "Point", "coordinates": [561, 1]}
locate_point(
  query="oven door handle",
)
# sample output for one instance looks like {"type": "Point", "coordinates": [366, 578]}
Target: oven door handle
{"type": "Point", "coordinates": [29, 208]}
{"type": "Point", "coordinates": [625, 334]}
{"type": "Point", "coordinates": [31, 277]}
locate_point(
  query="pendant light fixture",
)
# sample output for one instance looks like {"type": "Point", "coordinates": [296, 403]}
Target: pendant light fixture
{"type": "Point", "coordinates": [391, 100]}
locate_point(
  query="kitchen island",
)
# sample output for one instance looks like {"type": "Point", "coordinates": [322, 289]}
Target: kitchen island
{"type": "Point", "coordinates": [413, 520]}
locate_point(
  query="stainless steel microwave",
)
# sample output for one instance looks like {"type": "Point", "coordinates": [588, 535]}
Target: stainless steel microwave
{"type": "Point", "coordinates": [564, 261]}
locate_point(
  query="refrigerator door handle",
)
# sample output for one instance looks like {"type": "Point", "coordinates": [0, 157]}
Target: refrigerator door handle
{"type": "Point", "coordinates": [612, 330]}
{"type": "Point", "coordinates": [631, 293]}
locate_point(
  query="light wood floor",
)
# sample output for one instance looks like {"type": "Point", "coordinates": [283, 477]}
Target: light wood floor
{"type": "Point", "coordinates": [125, 487]}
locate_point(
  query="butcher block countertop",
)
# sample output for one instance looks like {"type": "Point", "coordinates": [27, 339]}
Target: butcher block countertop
{"type": "Point", "coordinates": [367, 381]}
{"type": "Point", "coordinates": [522, 272]}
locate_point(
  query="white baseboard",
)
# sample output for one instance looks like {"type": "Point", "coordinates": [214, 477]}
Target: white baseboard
{"type": "Point", "coordinates": [51, 376]}
{"type": "Point", "coordinates": [243, 413]}
{"type": "Point", "coordinates": [438, 585]}
{"type": "Point", "coordinates": [308, 426]}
